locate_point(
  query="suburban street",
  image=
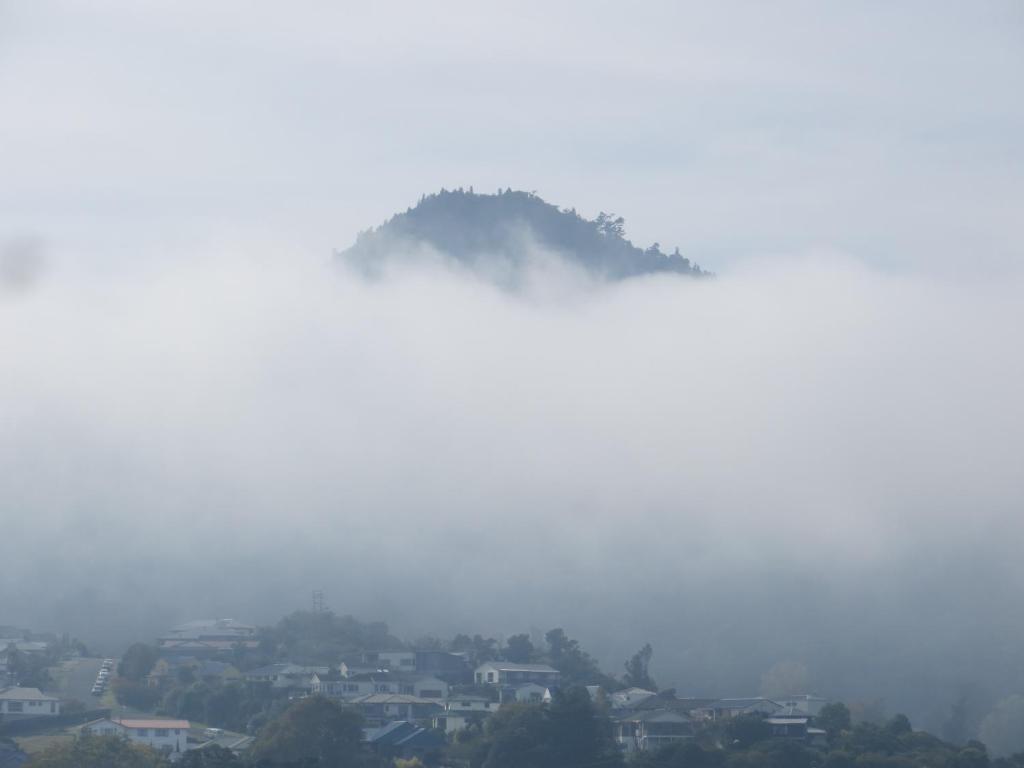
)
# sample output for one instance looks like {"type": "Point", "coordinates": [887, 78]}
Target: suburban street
{"type": "Point", "coordinates": [77, 678]}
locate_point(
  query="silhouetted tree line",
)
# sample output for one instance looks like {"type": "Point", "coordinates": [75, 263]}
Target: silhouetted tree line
{"type": "Point", "coordinates": [473, 228]}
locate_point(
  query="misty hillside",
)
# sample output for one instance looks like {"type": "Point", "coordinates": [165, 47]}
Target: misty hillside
{"type": "Point", "coordinates": [502, 230]}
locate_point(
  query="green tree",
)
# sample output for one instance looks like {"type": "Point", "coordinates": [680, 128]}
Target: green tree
{"type": "Point", "coordinates": [137, 661]}
{"type": "Point", "coordinates": [743, 731]}
{"type": "Point", "coordinates": [318, 731]}
{"type": "Point", "coordinates": [681, 754]}
{"type": "Point", "coordinates": [637, 673]}
{"type": "Point", "coordinates": [834, 718]}
{"type": "Point", "coordinates": [569, 732]}
{"type": "Point", "coordinates": [89, 751]}
{"type": "Point", "coordinates": [575, 664]}
{"type": "Point", "coordinates": [133, 693]}
{"type": "Point", "coordinates": [519, 649]}
{"type": "Point", "coordinates": [898, 725]}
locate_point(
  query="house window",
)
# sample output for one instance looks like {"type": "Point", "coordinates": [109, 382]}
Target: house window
{"type": "Point", "coordinates": [430, 694]}
{"type": "Point", "coordinates": [160, 732]}
{"type": "Point", "coordinates": [490, 677]}
{"type": "Point", "coordinates": [142, 732]}
{"type": "Point", "coordinates": [15, 706]}
{"type": "Point", "coordinates": [407, 689]}
{"type": "Point", "coordinates": [53, 706]}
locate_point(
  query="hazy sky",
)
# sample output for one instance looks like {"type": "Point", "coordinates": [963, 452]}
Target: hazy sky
{"type": "Point", "coordinates": [891, 130]}
{"type": "Point", "coordinates": [814, 457]}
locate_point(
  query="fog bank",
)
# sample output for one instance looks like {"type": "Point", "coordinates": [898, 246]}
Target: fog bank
{"type": "Point", "coordinates": [810, 461]}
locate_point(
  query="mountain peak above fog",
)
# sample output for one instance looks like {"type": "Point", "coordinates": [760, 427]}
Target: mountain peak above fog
{"type": "Point", "coordinates": [505, 229]}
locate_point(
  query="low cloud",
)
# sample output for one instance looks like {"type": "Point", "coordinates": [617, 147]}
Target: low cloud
{"type": "Point", "coordinates": [809, 464]}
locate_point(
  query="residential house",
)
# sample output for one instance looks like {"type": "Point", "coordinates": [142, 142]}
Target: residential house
{"type": "Point", "coordinates": [463, 711]}
{"type": "Point", "coordinates": [795, 727]}
{"type": "Point", "coordinates": [629, 698]}
{"type": "Point", "coordinates": [285, 676]}
{"type": "Point", "coordinates": [530, 693]}
{"type": "Point", "coordinates": [21, 645]}
{"type": "Point", "coordinates": [470, 703]}
{"type": "Point", "coordinates": [17, 703]}
{"type": "Point", "coordinates": [330, 683]}
{"type": "Point", "coordinates": [394, 661]}
{"type": "Point", "coordinates": [208, 637]}
{"type": "Point", "coordinates": [236, 742]}
{"type": "Point", "coordinates": [507, 673]}
{"type": "Point", "coordinates": [366, 683]}
{"type": "Point", "coordinates": [381, 708]}
{"type": "Point", "coordinates": [804, 704]}
{"type": "Point", "coordinates": [170, 736]}
{"type": "Point", "coordinates": [402, 739]}
{"type": "Point", "coordinates": [725, 708]}
{"type": "Point", "coordinates": [651, 729]}
{"type": "Point", "coordinates": [453, 668]}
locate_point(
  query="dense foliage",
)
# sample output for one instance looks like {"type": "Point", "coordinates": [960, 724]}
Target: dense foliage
{"type": "Point", "coordinates": [314, 732]}
{"type": "Point", "coordinates": [570, 732]}
{"type": "Point", "coordinates": [98, 752]}
{"type": "Point", "coordinates": [481, 230]}
{"type": "Point", "coordinates": [322, 637]}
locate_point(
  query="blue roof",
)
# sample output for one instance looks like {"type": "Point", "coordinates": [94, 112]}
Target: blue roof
{"type": "Point", "coordinates": [402, 733]}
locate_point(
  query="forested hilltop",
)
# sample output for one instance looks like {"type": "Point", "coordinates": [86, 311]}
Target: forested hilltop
{"type": "Point", "coordinates": [500, 232]}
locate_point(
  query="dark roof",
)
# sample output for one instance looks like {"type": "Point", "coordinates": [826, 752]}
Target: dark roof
{"type": "Point", "coordinates": [509, 666]}
{"type": "Point", "coordinates": [741, 703]}
{"type": "Point", "coordinates": [393, 698]}
{"type": "Point", "coordinates": [385, 676]}
{"type": "Point", "coordinates": [402, 733]}
{"type": "Point", "coordinates": [332, 676]}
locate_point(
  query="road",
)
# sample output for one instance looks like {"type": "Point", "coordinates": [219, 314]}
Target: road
{"type": "Point", "coordinates": [77, 678]}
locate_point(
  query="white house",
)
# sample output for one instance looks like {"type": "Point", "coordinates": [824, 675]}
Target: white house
{"type": "Point", "coordinates": [532, 693]}
{"type": "Point", "coordinates": [804, 704]}
{"type": "Point", "coordinates": [726, 708]}
{"type": "Point", "coordinates": [651, 729]}
{"type": "Point", "coordinates": [508, 673]}
{"type": "Point", "coordinates": [18, 702]}
{"type": "Point", "coordinates": [164, 735]}
{"type": "Point", "coordinates": [470, 703]}
{"type": "Point", "coordinates": [354, 686]}
{"type": "Point", "coordinates": [286, 676]}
